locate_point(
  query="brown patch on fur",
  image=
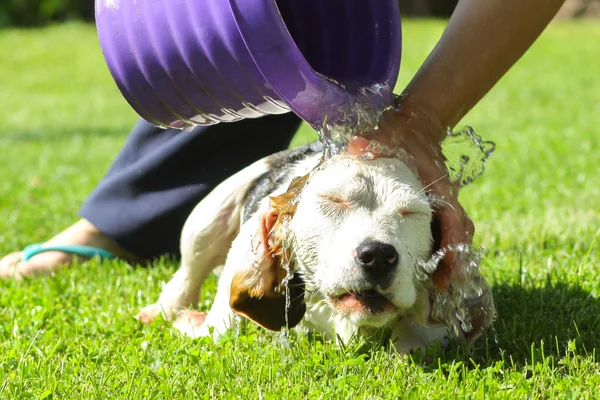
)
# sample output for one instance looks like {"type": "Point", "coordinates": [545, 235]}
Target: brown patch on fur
{"type": "Point", "coordinates": [286, 205]}
{"type": "Point", "coordinates": [256, 292]}
{"type": "Point", "coordinates": [268, 308]}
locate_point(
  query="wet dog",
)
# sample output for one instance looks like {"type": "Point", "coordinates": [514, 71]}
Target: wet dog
{"type": "Point", "coordinates": [328, 245]}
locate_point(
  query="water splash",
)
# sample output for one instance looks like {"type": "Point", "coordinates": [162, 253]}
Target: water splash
{"type": "Point", "coordinates": [469, 297]}
{"type": "Point", "coordinates": [358, 117]}
{"type": "Point", "coordinates": [466, 155]}
{"type": "Point", "coordinates": [465, 151]}
{"type": "Point", "coordinates": [466, 252]}
{"type": "Point", "coordinates": [374, 147]}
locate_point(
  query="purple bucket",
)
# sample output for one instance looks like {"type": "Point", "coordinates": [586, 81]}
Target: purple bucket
{"type": "Point", "coordinates": [181, 63]}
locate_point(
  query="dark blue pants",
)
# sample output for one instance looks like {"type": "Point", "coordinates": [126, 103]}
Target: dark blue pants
{"type": "Point", "coordinates": [160, 175]}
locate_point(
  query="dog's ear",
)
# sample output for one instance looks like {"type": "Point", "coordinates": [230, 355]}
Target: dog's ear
{"type": "Point", "coordinates": [256, 291]}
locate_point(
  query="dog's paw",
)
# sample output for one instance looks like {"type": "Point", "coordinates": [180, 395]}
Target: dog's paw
{"type": "Point", "coordinates": [190, 323]}
{"type": "Point", "coordinates": [149, 313]}
{"type": "Point", "coordinates": [409, 336]}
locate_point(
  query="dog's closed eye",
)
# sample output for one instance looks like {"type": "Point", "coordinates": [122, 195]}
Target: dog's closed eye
{"type": "Point", "coordinates": [405, 212]}
{"type": "Point", "coordinates": [415, 210]}
{"type": "Point", "coordinates": [335, 200]}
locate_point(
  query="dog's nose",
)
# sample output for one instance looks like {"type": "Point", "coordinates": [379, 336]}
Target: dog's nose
{"type": "Point", "coordinates": [376, 258]}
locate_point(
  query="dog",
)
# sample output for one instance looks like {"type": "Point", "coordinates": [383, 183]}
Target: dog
{"type": "Point", "coordinates": [327, 245]}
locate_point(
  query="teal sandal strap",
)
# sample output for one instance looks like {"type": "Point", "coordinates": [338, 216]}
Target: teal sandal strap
{"type": "Point", "coordinates": [84, 251]}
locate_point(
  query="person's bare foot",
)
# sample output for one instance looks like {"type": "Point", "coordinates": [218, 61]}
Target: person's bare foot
{"type": "Point", "coordinates": [80, 233]}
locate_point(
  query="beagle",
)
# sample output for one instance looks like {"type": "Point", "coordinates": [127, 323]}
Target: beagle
{"type": "Point", "coordinates": [330, 245]}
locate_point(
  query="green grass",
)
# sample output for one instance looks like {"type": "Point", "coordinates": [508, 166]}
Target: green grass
{"type": "Point", "coordinates": [536, 210]}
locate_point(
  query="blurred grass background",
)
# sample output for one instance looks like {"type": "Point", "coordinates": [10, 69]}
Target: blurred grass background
{"type": "Point", "coordinates": [536, 209]}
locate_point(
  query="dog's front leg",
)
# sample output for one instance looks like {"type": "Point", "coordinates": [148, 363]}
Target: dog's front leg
{"type": "Point", "coordinates": [215, 323]}
{"type": "Point", "coordinates": [205, 240]}
{"type": "Point", "coordinates": [221, 317]}
{"type": "Point", "coordinates": [409, 335]}
{"type": "Point", "coordinates": [182, 292]}
{"type": "Point", "coordinates": [192, 323]}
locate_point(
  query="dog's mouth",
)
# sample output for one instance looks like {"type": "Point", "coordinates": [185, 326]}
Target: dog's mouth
{"type": "Point", "coordinates": [369, 301]}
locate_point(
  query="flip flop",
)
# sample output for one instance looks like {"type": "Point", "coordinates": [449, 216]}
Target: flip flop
{"type": "Point", "coordinates": [83, 251]}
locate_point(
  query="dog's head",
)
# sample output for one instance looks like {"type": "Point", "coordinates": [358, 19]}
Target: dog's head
{"type": "Point", "coordinates": [353, 234]}
{"type": "Point", "coordinates": [359, 229]}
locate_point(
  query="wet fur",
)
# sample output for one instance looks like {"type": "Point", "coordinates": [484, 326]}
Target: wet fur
{"type": "Point", "coordinates": [228, 227]}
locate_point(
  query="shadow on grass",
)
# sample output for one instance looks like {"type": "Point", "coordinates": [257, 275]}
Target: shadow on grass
{"type": "Point", "coordinates": [531, 324]}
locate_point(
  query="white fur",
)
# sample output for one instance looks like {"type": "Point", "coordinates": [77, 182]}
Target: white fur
{"type": "Point", "coordinates": [386, 203]}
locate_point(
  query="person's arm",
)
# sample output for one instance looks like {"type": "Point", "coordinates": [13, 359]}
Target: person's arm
{"type": "Point", "coordinates": [482, 41]}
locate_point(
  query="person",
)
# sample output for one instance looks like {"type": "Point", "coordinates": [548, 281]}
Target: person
{"type": "Point", "coordinates": [137, 211]}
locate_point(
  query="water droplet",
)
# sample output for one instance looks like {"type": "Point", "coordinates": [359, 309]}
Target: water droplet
{"type": "Point", "coordinates": [368, 156]}
{"type": "Point", "coordinates": [466, 154]}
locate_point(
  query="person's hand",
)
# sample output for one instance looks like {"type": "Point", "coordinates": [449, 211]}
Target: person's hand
{"type": "Point", "coordinates": [413, 134]}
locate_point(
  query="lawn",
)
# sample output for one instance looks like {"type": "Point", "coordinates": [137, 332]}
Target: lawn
{"type": "Point", "coordinates": [536, 209]}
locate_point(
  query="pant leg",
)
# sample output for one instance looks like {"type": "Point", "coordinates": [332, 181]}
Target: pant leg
{"type": "Point", "coordinates": [160, 175]}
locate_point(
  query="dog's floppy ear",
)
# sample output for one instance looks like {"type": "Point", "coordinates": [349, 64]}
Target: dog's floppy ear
{"type": "Point", "coordinates": [256, 291]}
